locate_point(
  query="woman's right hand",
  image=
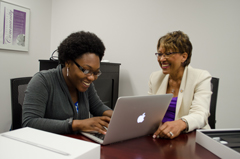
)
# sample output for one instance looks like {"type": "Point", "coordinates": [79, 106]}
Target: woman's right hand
{"type": "Point", "coordinates": [95, 124]}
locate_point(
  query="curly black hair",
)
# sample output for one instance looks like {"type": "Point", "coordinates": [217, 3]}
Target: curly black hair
{"type": "Point", "coordinates": [79, 43]}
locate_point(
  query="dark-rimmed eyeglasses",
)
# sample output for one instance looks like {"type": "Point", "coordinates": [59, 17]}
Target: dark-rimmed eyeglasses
{"type": "Point", "coordinates": [88, 72]}
{"type": "Point", "coordinates": [166, 55]}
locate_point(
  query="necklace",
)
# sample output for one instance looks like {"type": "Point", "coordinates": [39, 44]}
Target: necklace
{"type": "Point", "coordinates": [173, 90]}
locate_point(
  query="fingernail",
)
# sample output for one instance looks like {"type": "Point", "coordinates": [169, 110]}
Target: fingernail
{"type": "Point", "coordinates": [154, 136]}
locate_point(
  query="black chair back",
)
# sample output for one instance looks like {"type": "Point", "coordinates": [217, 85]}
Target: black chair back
{"type": "Point", "coordinates": [213, 104]}
{"type": "Point", "coordinates": [18, 87]}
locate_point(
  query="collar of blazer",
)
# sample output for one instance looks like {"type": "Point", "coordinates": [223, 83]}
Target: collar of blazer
{"type": "Point", "coordinates": [163, 88]}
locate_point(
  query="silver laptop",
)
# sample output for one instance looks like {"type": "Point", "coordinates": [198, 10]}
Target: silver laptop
{"type": "Point", "coordinates": [133, 116]}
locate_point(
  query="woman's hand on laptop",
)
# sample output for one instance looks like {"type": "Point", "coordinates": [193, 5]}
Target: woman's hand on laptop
{"type": "Point", "coordinates": [170, 129]}
{"type": "Point", "coordinates": [95, 124]}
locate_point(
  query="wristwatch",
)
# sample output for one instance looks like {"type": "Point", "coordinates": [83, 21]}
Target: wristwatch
{"type": "Point", "coordinates": [185, 130]}
{"type": "Point", "coordinates": [70, 120]}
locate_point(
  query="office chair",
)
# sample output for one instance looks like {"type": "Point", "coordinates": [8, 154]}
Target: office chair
{"type": "Point", "coordinates": [18, 87]}
{"type": "Point", "coordinates": [213, 103]}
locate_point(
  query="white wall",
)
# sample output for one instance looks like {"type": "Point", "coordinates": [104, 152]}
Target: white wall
{"type": "Point", "coordinates": [130, 30]}
{"type": "Point", "coordinates": [15, 64]}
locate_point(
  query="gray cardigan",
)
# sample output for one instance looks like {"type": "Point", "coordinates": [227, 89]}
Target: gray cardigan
{"type": "Point", "coordinates": [48, 105]}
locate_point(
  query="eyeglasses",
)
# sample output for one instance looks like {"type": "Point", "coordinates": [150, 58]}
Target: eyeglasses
{"type": "Point", "coordinates": [88, 72]}
{"type": "Point", "coordinates": [166, 55]}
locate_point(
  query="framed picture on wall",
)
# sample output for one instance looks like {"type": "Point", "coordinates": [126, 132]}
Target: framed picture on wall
{"type": "Point", "coordinates": [14, 27]}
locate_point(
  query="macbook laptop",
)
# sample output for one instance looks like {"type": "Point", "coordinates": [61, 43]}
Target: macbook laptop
{"type": "Point", "coordinates": [133, 116]}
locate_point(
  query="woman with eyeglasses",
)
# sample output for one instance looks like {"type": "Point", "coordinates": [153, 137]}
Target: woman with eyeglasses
{"type": "Point", "coordinates": [191, 88]}
{"type": "Point", "coordinates": [60, 100]}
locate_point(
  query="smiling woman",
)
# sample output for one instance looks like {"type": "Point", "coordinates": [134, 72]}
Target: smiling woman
{"type": "Point", "coordinates": [59, 100]}
{"type": "Point", "coordinates": [191, 88]}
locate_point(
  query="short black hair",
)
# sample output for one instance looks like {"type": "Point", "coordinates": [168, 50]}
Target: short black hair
{"type": "Point", "coordinates": [79, 43]}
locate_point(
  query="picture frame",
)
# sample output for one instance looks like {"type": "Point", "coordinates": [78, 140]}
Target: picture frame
{"type": "Point", "coordinates": [14, 27]}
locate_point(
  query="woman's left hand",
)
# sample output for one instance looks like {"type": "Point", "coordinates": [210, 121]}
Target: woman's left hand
{"type": "Point", "coordinates": [170, 129]}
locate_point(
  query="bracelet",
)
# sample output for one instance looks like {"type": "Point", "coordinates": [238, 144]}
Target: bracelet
{"type": "Point", "coordinates": [185, 130]}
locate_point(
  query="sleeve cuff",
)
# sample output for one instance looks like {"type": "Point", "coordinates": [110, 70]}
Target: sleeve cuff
{"type": "Point", "coordinates": [70, 120]}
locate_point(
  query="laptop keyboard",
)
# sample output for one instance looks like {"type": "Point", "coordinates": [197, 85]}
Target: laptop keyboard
{"type": "Point", "coordinates": [98, 135]}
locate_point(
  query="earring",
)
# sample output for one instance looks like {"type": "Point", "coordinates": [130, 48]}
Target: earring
{"type": "Point", "coordinates": [183, 63]}
{"type": "Point", "coordinates": [67, 71]}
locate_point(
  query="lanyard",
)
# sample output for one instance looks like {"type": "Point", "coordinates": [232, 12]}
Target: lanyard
{"type": "Point", "coordinates": [76, 105]}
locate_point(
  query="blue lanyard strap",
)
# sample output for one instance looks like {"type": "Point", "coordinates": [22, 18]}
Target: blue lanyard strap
{"type": "Point", "coordinates": [76, 105]}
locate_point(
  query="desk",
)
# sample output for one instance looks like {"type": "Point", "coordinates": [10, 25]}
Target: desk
{"type": "Point", "coordinates": [182, 147]}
